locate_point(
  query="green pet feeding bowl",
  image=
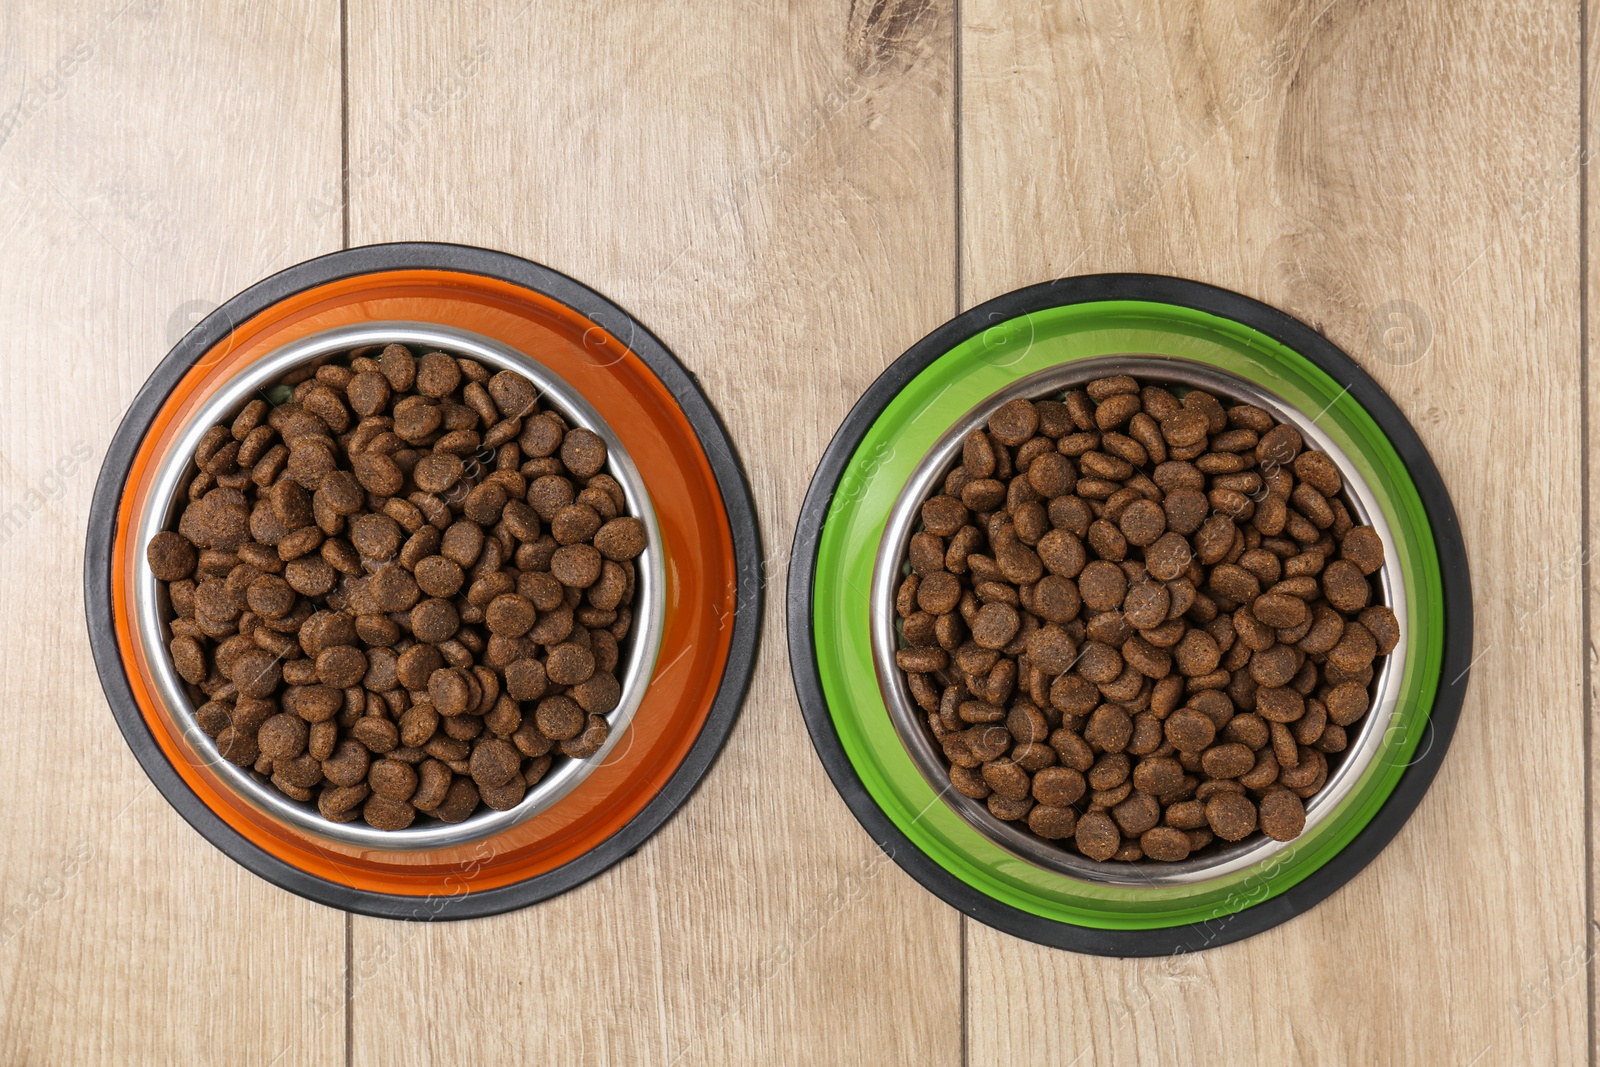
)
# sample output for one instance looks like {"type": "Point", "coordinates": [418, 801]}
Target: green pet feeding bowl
{"type": "Point", "coordinates": [905, 433]}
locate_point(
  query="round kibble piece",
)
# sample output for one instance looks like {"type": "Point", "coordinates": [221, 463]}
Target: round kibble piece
{"type": "Point", "coordinates": [341, 666]}
{"type": "Point", "coordinates": [1283, 815]}
{"type": "Point", "coordinates": [1097, 836]}
{"type": "Point", "coordinates": [1058, 786]}
{"type": "Point", "coordinates": [1231, 816]}
{"type": "Point", "coordinates": [393, 779]}
{"type": "Point", "coordinates": [494, 762]}
{"type": "Point", "coordinates": [384, 813]}
{"type": "Point", "coordinates": [171, 556]}
{"type": "Point", "coordinates": [583, 452]}
{"type": "Point", "coordinates": [576, 566]}
{"type": "Point", "coordinates": [1052, 823]}
{"type": "Point", "coordinates": [438, 375]}
{"type": "Point", "coordinates": [1280, 611]}
{"type": "Point", "coordinates": [1014, 422]}
{"type": "Point", "coordinates": [1188, 730]}
{"type": "Point", "coordinates": [283, 737]}
{"type": "Point", "coordinates": [569, 664]}
{"type": "Point", "coordinates": [1345, 586]}
{"type": "Point", "coordinates": [438, 576]}
{"type": "Point", "coordinates": [622, 538]}
{"type": "Point", "coordinates": [1165, 844]}
{"type": "Point", "coordinates": [559, 717]}
{"type": "Point", "coordinates": [509, 615]}
{"type": "Point", "coordinates": [1143, 522]}
{"type": "Point", "coordinates": [995, 625]}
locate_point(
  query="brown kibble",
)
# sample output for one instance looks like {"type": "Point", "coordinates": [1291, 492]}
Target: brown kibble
{"type": "Point", "coordinates": [513, 394]}
{"type": "Point", "coordinates": [392, 779]}
{"type": "Point", "coordinates": [576, 566]}
{"type": "Point", "coordinates": [433, 785]}
{"type": "Point", "coordinates": [509, 615]}
{"type": "Point", "coordinates": [437, 472]}
{"type": "Point", "coordinates": [449, 691]}
{"type": "Point", "coordinates": [1196, 654]}
{"type": "Point", "coordinates": [583, 452]}
{"type": "Point", "coordinates": [1052, 823]}
{"type": "Point", "coordinates": [1097, 837]}
{"type": "Point", "coordinates": [1135, 815]}
{"type": "Point", "coordinates": [1355, 651]}
{"type": "Point", "coordinates": [1278, 447]}
{"type": "Point", "coordinates": [1364, 548]}
{"type": "Point", "coordinates": [1184, 428]}
{"type": "Point", "coordinates": [504, 797]}
{"type": "Point", "coordinates": [418, 724]}
{"type": "Point", "coordinates": [598, 694]}
{"type": "Point", "coordinates": [570, 664]}
{"type": "Point", "coordinates": [1102, 585]}
{"type": "Point", "coordinates": [1228, 760]}
{"type": "Point", "coordinates": [282, 737]}
{"type": "Point", "coordinates": [1058, 786]}
{"type": "Point", "coordinates": [348, 765]}
{"type": "Point", "coordinates": [559, 717]}
{"type": "Point", "coordinates": [377, 473]}
{"type": "Point", "coordinates": [438, 375]}
{"type": "Point", "coordinates": [525, 679]}
{"type": "Point", "coordinates": [1283, 815]}
{"type": "Point", "coordinates": [1014, 422]}
{"type": "Point", "coordinates": [1168, 557]}
{"type": "Point", "coordinates": [1006, 778]}
{"type": "Point", "coordinates": [378, 735]}
{"type": "Point", "coordinates": [217, 520]}
{"type": "Point", "coordinates": [256, 673]}
{"type": "Point", "coordinates": [1346, 703]}
{"type": "Point", "coordinates": [1189, 730]}
{"type": "Point", "coordinates": [460, 801]}
{"type": "Point", "coordinates": [622, 538]}
{"type": "Point", "coordinates": [1231, 816]}
{"type": "Point", "coordinates": [494, 762]}
{"type": "Point", "coordinates": [1280, 611]}
{"type": "Point", "coordinates": [1165, 843]}
{"type": "Point", "coordinates": [1384, 627]}
{"type": "Point", "coordinates": [1345, 586]}
{"type": "Point", "coordinates": [384, 813]}
{"type": "Point", "coordinates": [171, 557]}
{"type": "Point", "coordinates": [1109, 729]}
{"type": "Point", "coordinates": [995, 625]}
{"type": "Point", "coordinates": [1142, 522]}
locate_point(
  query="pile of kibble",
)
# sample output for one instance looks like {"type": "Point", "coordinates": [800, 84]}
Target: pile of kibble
{"type": "Point", "coordinates": [1140, 621]}
{"type": "Point", "coordinates": [401, 589]}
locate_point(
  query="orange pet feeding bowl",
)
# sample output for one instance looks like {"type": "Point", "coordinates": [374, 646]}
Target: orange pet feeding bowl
{"type": "Point", "coordinates": [709, 594]}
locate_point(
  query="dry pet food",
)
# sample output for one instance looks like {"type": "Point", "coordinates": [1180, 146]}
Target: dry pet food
{"type": "Point", "coordinates": [401, 587]}
{"type": "Point", "coordinates": [1140, 621]}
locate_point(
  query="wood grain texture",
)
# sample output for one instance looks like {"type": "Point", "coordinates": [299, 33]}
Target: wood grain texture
{"type": "Point", "coordinates": [1335, 160]}
{"type": "Point", "coordinates": [775, 194]}
{"type": "Point", "coordinates": [1575, 168]}
{"type": "Point", "coordinates": [771, 193]}
{"type": "Point", "coordinates": [160, 159]}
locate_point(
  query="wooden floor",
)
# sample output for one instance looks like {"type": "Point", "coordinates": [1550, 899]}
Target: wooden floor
{"type": "Point", "coordinates": [790, 200]}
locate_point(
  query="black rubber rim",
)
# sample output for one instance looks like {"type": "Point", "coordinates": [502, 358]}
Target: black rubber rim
{"type": "Point", "coordinates": [719, 451]}
{"type": "Point", "coordinates": [1457, 591]}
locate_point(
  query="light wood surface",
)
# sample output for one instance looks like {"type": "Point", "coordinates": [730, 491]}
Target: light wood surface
{"type": "Point", "coordinates": [789, 199]}
{"type": "Point", "coordinates": [155, 173]}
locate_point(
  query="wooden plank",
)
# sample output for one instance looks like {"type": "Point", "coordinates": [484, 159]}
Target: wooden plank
{"type": "Point", "coordinates": [1335, 159]}
{"type": "Point", "coordinates": [1575, 168]}
{"type": "Point", "coordinates": [154, 159]}
{"type": "Point", "coordinates": [771, 194]}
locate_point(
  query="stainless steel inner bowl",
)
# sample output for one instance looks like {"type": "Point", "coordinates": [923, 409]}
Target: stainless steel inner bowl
{"type": "Point", "coordinates": [910, 724]}
{"type": "Point", "coordinates": [152, 612]}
